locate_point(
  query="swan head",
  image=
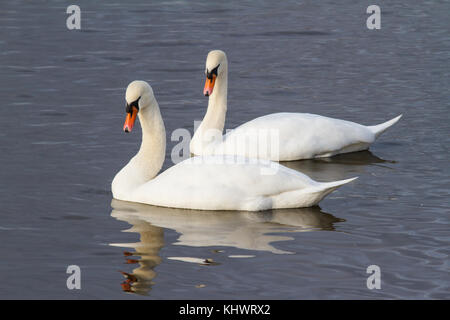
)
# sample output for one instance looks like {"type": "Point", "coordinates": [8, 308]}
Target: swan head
{"type": "Point", "coordinates": [216, 67]}
{"type": "Point", "coordinates": [139, 96]}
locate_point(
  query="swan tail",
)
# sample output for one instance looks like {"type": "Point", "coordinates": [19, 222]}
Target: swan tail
{"type": "Point", "coordinates": [325, 188]}
{"type": "Point", "coordinates": [380, 128]}
{"type": "Point", "coordinates": [306, 197]}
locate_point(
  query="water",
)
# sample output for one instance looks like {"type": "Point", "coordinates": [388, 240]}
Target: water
{"type": "Point", "coordinates": [62, 96]}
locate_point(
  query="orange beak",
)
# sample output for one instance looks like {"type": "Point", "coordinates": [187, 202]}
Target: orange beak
{"type": "Point", "coordinates": [130, 119]}
{"type": "Point", "coordinates": [209, 85]}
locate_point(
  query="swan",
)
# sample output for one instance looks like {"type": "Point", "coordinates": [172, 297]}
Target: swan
{"type": "Point", "coordinates": [298, 135]}
{"type": "Point", "coordinates": [204, 182]}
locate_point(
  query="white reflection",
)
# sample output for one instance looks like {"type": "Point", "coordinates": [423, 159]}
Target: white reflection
{"type": "Point", "coordinates": [256, 231]}
{"type": "Point", "coordinates": [337, 167]}
{"type": "Point", "coordinates": [239, 229]}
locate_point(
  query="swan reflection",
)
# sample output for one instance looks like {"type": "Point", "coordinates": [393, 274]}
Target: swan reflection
{"type": "Point", "coordinates": [145, 254]}
{"type": "Point", "coordinates": [256, 231]}
{"type": "Point", "coordinates": [338, 167]}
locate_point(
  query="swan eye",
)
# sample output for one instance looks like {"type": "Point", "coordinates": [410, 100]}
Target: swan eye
{"type": "Point", "coordinates": [129, 108]}
{"type": "Point", "coordinates": [213, 72]}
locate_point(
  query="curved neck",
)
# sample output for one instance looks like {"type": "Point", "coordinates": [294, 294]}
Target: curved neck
{"type": "Point", "coordinates": [150, 158]}
{"type": "Point", "coordinates": [146, 164]}
{"type": "Point", "coordinates": [215, 114]}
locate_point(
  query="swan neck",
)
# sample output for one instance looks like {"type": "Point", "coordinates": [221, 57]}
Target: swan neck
{"type": "Point", "coordinates": [214, 121]}
{"type": "Point", "coordinates": [150, 158]}
{"type": "Point", "coordinates": [217, 104]}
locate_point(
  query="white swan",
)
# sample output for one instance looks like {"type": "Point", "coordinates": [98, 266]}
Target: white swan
{"type": "Point", "coordinates": [299, 135]}
{"type": "Point", "coordinates": [205, 183]}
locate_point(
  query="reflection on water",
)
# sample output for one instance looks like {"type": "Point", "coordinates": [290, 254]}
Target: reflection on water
{"type": "Point", "coordinates": [339, 167]}
{"type": "Point", "coordinates": [256, 231]}
{"type": "Point", "coordinates": [151, 241]}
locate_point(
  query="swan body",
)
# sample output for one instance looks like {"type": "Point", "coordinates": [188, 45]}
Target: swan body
{"type": "Point", "coordinates": [206, 182]}
{"type": "Point", "coordinates": [227, 183]}
{"type": "Point", "coordinates": [298, 135]}
{"type": "Point", "coordinates": [301, 136]}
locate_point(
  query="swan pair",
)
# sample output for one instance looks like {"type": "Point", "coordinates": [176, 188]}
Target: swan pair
{"type": "Point", "coordinates": [218, 180]}
{"type": "Point", "coordinates": [212, 182]}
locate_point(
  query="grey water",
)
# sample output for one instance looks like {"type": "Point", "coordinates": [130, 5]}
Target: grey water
{"type": "Point", "coordinates": [62, 102]}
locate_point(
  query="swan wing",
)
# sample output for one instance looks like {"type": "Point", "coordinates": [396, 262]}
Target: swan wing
{"type": "Point", "coordinates": [299, 136]}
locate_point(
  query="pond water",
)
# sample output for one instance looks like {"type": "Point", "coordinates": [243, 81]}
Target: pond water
{"type": "Point", "coordinates": [62, 94]}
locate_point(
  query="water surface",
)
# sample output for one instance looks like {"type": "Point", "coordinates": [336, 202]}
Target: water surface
{"type": "Point", "coordinates": [61, 141]}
